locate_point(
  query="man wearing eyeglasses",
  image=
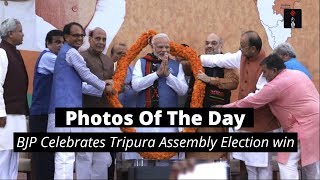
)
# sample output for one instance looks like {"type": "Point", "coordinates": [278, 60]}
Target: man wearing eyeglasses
{"type": "Point", "coordinates": [69, 72]}
{"type": "Point", "coordinates": [247, 59]}
{"type": "Point", "coordinates": [42, 163]}
{"type": "Point", "coordinates": [13, 95]}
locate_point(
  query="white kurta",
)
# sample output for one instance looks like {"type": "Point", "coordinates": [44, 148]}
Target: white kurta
{"type": "Point", "coordinates": [15, 123]}
{"type": "Point", "coordinates": [140, 82]}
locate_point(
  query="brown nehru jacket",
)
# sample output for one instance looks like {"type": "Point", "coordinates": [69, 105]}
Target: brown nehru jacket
{"type": "Point", "coordinates": [102, 67]}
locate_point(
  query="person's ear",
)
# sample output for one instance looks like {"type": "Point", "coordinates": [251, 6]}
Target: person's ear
{"type": "Point", "coordinates": [149, 42]}
{"type": "Point", "coordinates": [10, 34]}
{"type": "Point", "coordinates": [253, 48]}
{"type": "Point", "coordinates": [275, 70]}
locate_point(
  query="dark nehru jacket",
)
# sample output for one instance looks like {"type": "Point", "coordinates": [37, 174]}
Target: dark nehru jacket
{"type": "Point", "coordinates": [101, 66]}
{"type": "Point", "coordinates": [16, 82]}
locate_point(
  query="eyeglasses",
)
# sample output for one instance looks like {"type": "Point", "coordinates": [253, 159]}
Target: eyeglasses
{"type": "Point", "coordinates": [77, 35]}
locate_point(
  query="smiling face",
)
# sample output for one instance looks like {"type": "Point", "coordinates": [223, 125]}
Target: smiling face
{"type": "Point", "coordinates": [213, 44]}
{"type": "Point", "coordinates": [75, 38]}
{"type": "Point", "coordinates": [161, 47]}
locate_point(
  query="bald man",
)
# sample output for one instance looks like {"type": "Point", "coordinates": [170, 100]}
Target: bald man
{"type": "Point", "coordinates": [213, 44]}
{"type": "Point", "coordinates": [93, 165]}
{"type": "Point", "coordinates": [247, 60]}
{"type": "Point", "coordinates": [220, 82]}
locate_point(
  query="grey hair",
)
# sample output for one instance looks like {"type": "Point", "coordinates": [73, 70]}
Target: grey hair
{"type": "Point", "coordinates": [285, 48]}
{"type": "Point", "coordinates": [8, 25]}
{"type": "Point", "coordinates": [157, 36]}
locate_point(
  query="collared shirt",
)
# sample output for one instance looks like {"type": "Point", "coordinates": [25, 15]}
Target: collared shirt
{"type": "Point", "coordinates": [46, 63]}
{"type": "Point", "coordinates": [294, 64]}
{"type": "Point", "coordinates": [294, 100]}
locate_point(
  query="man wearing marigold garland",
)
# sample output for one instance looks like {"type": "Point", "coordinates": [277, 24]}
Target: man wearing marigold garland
{"type": "Point", "coordinates": [248, 59]}
{"type": "Point", "coordinates": [158, 80]}
{"type": "Point", "coordinates": [220, 82]}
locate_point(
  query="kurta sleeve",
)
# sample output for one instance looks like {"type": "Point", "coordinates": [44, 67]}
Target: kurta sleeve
{"type": "Point", "coordinates": [228, 60]}
{"type": "Point", "coordinates": [266, 95]}
{"type": "Point", "coordinates": [90, 90]}
{"type": "Point", "coordinates": [140, 82]}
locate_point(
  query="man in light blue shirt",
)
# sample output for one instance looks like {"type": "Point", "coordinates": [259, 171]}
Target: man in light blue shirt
{"type": "Point", "coordinates": [43, 162]}
{"type": "Point", "coordinates": [286, 52]}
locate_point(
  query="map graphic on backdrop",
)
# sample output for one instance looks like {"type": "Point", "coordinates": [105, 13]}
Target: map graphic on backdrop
{"type": "Point", "coordinates": [187, 21]}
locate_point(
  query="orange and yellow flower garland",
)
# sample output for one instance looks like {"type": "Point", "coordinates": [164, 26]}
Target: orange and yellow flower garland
{"type": "Point", "coordinates": [176, 50]}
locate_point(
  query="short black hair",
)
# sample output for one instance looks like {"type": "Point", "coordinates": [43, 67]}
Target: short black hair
{"type": "Point", "coordinates": [273, 61]}
{"type": "Point", "coordinates": [67, 27]}
{"type": "Point", "coordinates": [52, 33]}
{"type": "Point", "coordinates": [254, 39]}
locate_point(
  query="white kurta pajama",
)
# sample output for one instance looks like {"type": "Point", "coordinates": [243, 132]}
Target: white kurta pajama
{"type": "Point", "coordinates": [294, 100]}
{"type": "Point", "coordinates": [258, 164]}
{"type": "Point", "coordinates": [141, 82]}
{"type": "Point", "coordinates": [15, 123]}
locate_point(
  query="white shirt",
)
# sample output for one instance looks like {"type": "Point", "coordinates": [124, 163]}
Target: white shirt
{"type": "Point", "coordinates": [46, 63]}
{"type": "Point", "coordinates": [3, 73]}
{"type": "Point", "coordinates": [231, 61]}
{"type": "Point", "coordinates": [140, 82]}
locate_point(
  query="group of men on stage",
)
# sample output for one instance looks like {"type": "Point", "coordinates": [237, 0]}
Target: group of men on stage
{"type": "Point", "coordinates": [277, 86]}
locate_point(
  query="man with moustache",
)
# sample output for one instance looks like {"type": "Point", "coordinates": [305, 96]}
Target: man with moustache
{"type": "Point", "coordinates": [248, 59]}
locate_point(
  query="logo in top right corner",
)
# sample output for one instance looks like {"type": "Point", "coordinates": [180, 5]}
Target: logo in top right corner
{"type": "Point", "coordinates": [292, 18]}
